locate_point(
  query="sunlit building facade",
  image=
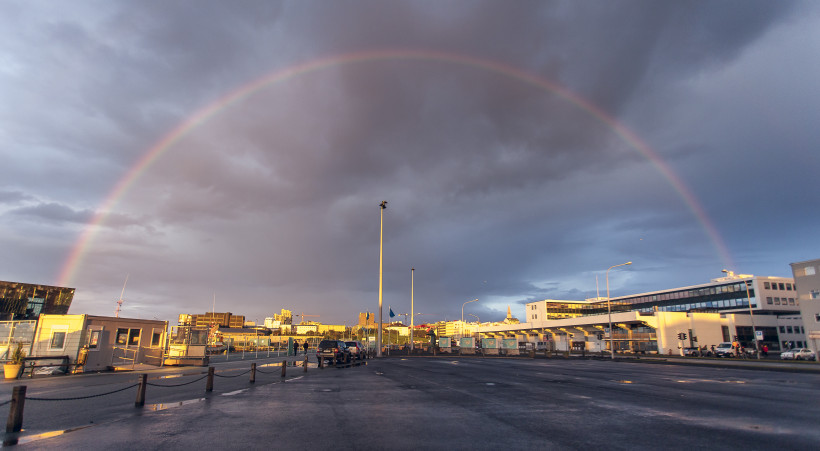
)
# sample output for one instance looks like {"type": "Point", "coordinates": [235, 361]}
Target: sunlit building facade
{"type": "Point", "coordinates": [705, 315]}
{"type": "Point", "coordinates": [26, 301]}
{"type": "Point", "coordinates": [807, 278]}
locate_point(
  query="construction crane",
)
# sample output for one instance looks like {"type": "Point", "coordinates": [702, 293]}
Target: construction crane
{"type": "Point", "coordinates": [302, 315]}
{"type": "Point", "coordinates": [120, 301]}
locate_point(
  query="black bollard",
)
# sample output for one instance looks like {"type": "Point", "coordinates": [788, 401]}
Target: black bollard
{"type": "Point", "coordinates": [209, 386]}
{"type": "Point", "coordinates": [18, 401]}
{"type": "Point", "coordinates": [304, 365]}
{"type": "Point", "coordinates": [284, 367]}
{"type": "Point", "coordinates": [140, 402]}
{"type": "Point", "coordinates": [253, 373]}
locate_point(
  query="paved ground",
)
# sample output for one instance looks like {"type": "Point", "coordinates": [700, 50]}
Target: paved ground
{"type": "Point", "coordinates": [452, 403]}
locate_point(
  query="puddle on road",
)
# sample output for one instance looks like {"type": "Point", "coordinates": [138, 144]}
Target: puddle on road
{"type": "Point", "coordinates": [171, 405]}
{"type": "Point", "coordinates": [235, 392]}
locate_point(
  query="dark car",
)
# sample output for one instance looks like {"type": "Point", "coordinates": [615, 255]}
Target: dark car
{"type": "Point", "coordinates": [333, 350]}
{"type": "Point", "coordinates": [357, 350]}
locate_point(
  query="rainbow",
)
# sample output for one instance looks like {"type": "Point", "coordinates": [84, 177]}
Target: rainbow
{"type": "Point", "coordinates": [205, 113]}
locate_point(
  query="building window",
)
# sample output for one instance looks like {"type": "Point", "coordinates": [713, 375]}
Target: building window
{"type": "Point", "coordinates": [791, 301]}
{"type": "Point", "coordinates": [817, 317]}
{"type": "Point", "coordinates": [769, 300]}
{"type": "Point", "coordinates": [766, 285]}
{"type": "Point", "coordinates": [781, 285]}
{"type": "Point", "coordinates": [776, 301]}
{"type": "Point", "coordinates": [156, 338]}
{"type": "Point", "coordinates": [788, 329]}
{"type": "Point", "coordinates": [788, 287]}
{"type": "Point", "coordinates": [134, 337]}
{"type": "Point", "coordinates": [815, 294]}
{"type": "Point", "coordinates": [57, 340]}
{"type": "Point", "coordinates": [782, 329]}
{"type": "Point", "coordinates": [94, 339]}
{"type": "Point", "coordinates": [122, 336]}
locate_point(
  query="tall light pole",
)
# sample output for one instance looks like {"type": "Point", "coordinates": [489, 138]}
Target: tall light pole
{"type": "Point", "coordinates": [751, 314]}
{"type": "Point", "coordinates": [479, 326]}
{"type": "Point", "coordinates": [609, 310]}
{"type": "Point", "coordinates": [462, 315]}
{"type": "Point", "coordinates": [412, 315]}
{"type": "Point", "coordinates": [383, 205]}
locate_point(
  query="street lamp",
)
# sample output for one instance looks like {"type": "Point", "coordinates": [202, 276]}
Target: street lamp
{"type": "Point", "coordinates": [751, 314]}
{"type": "Point", "coordinates": [609, 310]}
{"type": "Point", "coordinates": [479, 326]}
{"type": "Point", "coordinates": [412, 316]}
{"type": "Point", "coordinates": [383, 205]}
{"type": "Point", "coordinates": [462, 315]}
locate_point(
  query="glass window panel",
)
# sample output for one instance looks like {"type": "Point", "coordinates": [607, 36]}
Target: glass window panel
{"type": "Point", "coordinates": [57, 340]}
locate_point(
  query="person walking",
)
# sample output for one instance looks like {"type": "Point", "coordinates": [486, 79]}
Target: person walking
{"type": "Point", "coordinates": [765, 350]}
{"type": "Point", "coordinates": [295, 347]}
{"type": "Point", "coordinates": [305, 346]}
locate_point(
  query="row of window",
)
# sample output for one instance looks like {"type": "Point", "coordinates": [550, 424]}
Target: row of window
{"type": "Point", "coordinates": [731, 288]}
{"type": "Point", "coordinates": [777, 286]}
{"type": "Point", "coordinates": [790, 330]}
{"type": "Point", "coordinates": [783, 301]}
{"type": "Point", "coordinates": [724, 303]}
{"type": "Point", "coordinates": [127, 337]}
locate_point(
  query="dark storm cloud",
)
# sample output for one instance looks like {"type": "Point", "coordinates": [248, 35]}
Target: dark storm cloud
{"type": "Point", "coordinates": [497, 189]}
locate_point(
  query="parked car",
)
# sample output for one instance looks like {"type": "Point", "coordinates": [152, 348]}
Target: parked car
{"type": "Point", "coordinates": [692, 352]}
{"type": "Point", "coordinates": [357, 350]}
{"type": "Point", "coordinates": [333, 350]}
{"type": "Point", "coordinates": [724, 349]}
{"type": "Point", "coordinates": [797, 354]}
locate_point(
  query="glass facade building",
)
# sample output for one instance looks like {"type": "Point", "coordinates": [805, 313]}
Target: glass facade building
{"type": "Point", "coordinates": [26, 301]}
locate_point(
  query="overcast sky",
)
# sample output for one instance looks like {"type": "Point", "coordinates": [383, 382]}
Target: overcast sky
{"type": "Point", "coordinates": [499, 187]}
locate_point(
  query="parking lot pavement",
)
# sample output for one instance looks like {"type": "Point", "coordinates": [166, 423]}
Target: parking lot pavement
{"type": "Point", "coordinates": [439, 403]}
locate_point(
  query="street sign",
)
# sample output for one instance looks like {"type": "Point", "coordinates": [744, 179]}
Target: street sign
{"type": "Point", "coordinates": [759, 335]}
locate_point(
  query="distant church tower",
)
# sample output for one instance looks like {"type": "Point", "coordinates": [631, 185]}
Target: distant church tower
{"type": "Point", "coordinates": [510, 319]}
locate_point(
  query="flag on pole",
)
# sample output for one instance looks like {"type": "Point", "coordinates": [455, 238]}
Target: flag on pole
{"type": "Point", "coordinates": [391, 313]}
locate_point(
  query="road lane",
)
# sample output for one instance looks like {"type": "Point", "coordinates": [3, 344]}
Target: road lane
{"type": "Point", "coordinates": [440, 403]}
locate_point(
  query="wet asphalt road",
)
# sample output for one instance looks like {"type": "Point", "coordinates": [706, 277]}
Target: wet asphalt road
{"type": "Point", "coordinates": [474, 403]}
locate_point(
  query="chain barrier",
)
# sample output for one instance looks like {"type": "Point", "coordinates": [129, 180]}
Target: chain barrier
{"type": "Point", "coordinates": [267, 372]}
{"type": "Point", "coordinates": [176, 385]}
{"type": "Point", "coordinates": [4, 403]}
{"type": "Point", "coordinates": [33, 398]}
{"type": "Point", "coordinates": [236, 375]}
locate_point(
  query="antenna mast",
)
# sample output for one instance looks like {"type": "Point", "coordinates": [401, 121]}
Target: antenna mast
{"type": "Point", "coordinates": [119, 302]}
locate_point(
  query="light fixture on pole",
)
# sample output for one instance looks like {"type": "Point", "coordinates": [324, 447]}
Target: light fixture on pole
{"type": "Point", "coordinates": [412, 315]}
{"type": "Point", "coordinates": [383, 205]}
{"type": "Point", "coordinates": [462, 315]}
{"type": "Point", "coordinates": [609, 310]}
{"type": "Point", "coordinates": [731, 274]}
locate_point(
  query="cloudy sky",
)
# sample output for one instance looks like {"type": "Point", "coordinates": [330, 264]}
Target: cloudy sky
{"type": "Point", "coordinates": [240, 150]}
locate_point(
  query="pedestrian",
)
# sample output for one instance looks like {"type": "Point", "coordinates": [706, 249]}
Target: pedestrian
{"type": "Point", "coordinates": [713, 349]}
{"type": "Point", "coordinates": [295, 347]}
{"type": "Point", "coordinates": [305, 346]}
{"type": "Point", "coordinates": [765, 350]}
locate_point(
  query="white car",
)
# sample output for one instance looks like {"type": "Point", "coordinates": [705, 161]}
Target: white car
{"type": "Point", "coordinates": [797, 354]}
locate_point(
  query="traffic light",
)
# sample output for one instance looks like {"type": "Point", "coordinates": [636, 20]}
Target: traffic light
{"type": "Point", "coordinates": [681, 336]}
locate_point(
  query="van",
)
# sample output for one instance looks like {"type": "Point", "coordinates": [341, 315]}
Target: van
{"type": "Point", "coordinates": [724, 349]}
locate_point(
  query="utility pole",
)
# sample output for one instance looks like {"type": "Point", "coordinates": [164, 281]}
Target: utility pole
{"type": "Point", "coordinates": [412, 315]}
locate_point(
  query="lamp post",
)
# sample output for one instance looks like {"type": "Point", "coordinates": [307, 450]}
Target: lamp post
{"type": "Point", "coordinates": [412, 315]}
{"type": "Point", "coordinates": [382, 206]}
{"type": "Point", "coordinates": [609, 310]}
{"type": "Point", "coordinates": [462, 315]}
{"type": "Point", "coordinates": [479, 326]}
{"type": "Point", "coordinates": [751, 313]}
